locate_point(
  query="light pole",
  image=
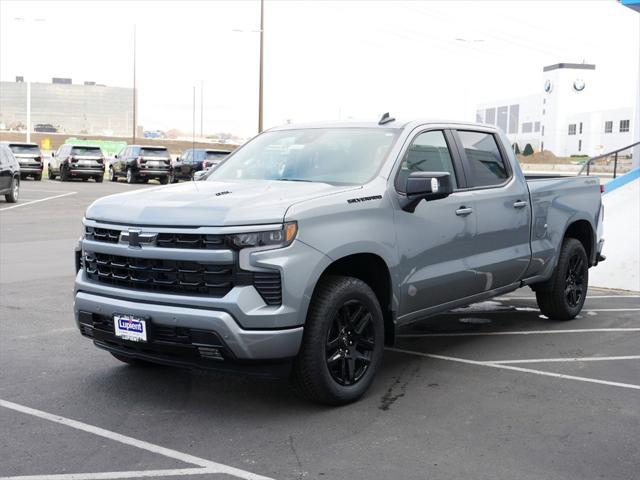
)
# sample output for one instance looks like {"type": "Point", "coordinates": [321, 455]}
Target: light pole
{"type": "Point", "coordinates": [133, 136]}
{"type": "Point", "coordinates": [28, 75]}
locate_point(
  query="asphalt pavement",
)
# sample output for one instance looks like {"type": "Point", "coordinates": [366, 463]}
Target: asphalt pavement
{"type": "Point", "coordinates": [491, 391]}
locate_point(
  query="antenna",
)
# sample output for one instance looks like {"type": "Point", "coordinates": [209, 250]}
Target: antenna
{"type": "Point", "coordinates": [386, 118]}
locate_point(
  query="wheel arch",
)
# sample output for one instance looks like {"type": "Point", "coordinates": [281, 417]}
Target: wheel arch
{"type": "Point", "coordinates": [583, 231]}
{"type": "Point", "coordinates": [374, 271]}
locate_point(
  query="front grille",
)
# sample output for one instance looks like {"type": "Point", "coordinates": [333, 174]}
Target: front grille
{"type": "Point", "coordinates": [173, 276]}
{"type": "Point", "coordinates": [269, 286]}
{"type": "Point", "coordinates": [106, 235]}
{"type": "Point", "coordinates": [191, 240]}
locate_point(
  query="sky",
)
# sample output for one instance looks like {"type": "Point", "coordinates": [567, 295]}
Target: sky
{"type": "Point", "coordinates": [324, 60]}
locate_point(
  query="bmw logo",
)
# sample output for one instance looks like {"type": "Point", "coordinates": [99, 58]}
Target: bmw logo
{"type": "Point", "coordinates": [548, 86]}
{"type": "Point", "coordinates": [578, 85]}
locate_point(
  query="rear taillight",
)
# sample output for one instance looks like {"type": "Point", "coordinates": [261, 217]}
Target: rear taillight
{"type": "Point", "coordinates": [101, 160]}
{"type": "Point", "coordinates": [38, 159]}
{"type": "Point", "coordinates": [205, 164]}
{"type": "Point", "coordinates": [601, 189]}
{"type": "Point", "coordinates": [73, 159]}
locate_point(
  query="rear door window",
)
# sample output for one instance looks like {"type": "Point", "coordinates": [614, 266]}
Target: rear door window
{"type": "Point", "coordinates": [428, 152]}
{"type": "Point", "coordinates": [486, 166]}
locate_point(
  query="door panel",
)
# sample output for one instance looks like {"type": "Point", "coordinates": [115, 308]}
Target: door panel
{"type": "Point", "coordinates": [434, 241]}
{"type": "Point", "coordinates": [501, 196]}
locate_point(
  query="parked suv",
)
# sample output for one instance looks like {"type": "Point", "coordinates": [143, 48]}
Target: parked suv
{"type": "Point", "coordinates": [9, 175]}
{"type": "Point", "coordinates": [77, 161]}
{"type": "Point", "coordinates": [312, 244]}
{"type": "Point", "coordinates": [29, 157]}
{"type": "Point", "coordinates": [141, 163]}
{"type": "Point", "coordinates": [196, 160]}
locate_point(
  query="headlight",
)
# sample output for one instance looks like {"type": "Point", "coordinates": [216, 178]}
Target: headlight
{"type": "Point", "coordinates": [272, 238]}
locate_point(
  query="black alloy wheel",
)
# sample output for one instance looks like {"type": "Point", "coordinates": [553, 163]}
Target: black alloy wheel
{"type": "Point", "coordinates": [350, 343]}
{"type": "Point", "coordinates": [575, 281]}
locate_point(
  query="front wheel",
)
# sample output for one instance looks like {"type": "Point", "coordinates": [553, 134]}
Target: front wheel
{"type": "Point", "coordinates": [14, 192]}
{"type": "Point", "coordinates": [563, 295]}
{"type": "Point", "coordinates": [342, 343]}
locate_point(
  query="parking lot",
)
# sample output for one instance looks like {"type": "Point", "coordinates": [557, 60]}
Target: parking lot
{"type": "Point", "coordinates": [491, 391]}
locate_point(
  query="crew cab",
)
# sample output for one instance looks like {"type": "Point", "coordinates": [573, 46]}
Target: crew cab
{"type": "Point", "coordinates": [29, 157]}
{"type": "Point", "coordinates": [77, 161]}
{"type": "Point", "coordinates": [141, 163]}
{"type": "Point", "coordinates": [311, 244]}
{"type": "Point", "coordinates": [195, 160]}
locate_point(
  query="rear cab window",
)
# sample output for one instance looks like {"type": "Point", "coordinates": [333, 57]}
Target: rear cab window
{"type": "Point", "coordinates": [154, 152]}
{"type": "Point", "coordinates": [485, 164]}
{"type": "Point", "coordinates": [21, 149]}
{"type": "Point", "coordinates": [86, 151]}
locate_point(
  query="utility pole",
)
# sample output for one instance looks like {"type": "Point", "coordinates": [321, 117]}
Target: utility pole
{"type": "Point", "coordinates": [193, 131]}
{"type": "Point", "coordinates": [133, 137]}
{"type": "Point", "coordinates": [201, 108]}
{"type": "Point", "coordinates": [260, 93]}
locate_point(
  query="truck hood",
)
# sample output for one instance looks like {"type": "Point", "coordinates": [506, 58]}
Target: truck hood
{"type": "Point", "coordinates": [208, 203]}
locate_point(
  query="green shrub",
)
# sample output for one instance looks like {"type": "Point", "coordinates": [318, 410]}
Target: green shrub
{"type": "Point", "coordinates": [528, 150]}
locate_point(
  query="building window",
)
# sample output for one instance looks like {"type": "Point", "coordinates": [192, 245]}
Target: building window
{"type": "Point", "coordinates": [579, 145]}
{"type": "Point", "coordinates": [514, 118]}
{"type": "Point", "coordinates": [536, 127]}
{"type": "Point", "coordinates": [580, 129]}
{"type": "Point", "coordinates": [527, 127]}
{"type": "Point", "coordinates": [608, 126]}
{"type": "Point", "coordinates": [502, 118]}
{"type": "Point", "coordinates": [624, 126]}
{"type": "Point", "coordinates": [572, 129]}
{"type": "Point", "coordinates": [490, 116]}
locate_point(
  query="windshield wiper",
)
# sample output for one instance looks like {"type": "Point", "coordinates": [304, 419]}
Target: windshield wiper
{"type": "Point", "coordinates": [293, 180]}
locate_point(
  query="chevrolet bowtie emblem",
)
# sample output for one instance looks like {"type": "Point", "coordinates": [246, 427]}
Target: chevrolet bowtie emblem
{"type": "Point", "coordinates": [135, 238]}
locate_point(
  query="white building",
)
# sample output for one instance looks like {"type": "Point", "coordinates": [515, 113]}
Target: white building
{"type": "Point", "coordinates": [569, 116]}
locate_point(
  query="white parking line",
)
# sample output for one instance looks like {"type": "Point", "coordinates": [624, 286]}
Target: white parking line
{"type": "Point", "coordinates": [117, 475]}
{"type": "Point", "coordinates": [570, 359]}
{"type": "Point", "coordinates": [517, 332]}
{"type": "Point", "coordinates": [211, 467]}
{"type": "Point", "coordinates": [516, 369]}
{"type": "Point", "coordinates": [612, 310]}
{"type": "Point", "coordinates": [37, 201]}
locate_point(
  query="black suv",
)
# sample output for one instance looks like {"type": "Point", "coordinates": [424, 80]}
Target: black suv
{"type": "Point", "coordinates": [9, 174]}
{"type": "Point", "coordinates": [195, 159]}
{"type": "Point", "coordinates": [29, 157]}
{"type": "Point", "coordinates": [77, 161]}
{"type": "Point", "coordinates": [142, 163]}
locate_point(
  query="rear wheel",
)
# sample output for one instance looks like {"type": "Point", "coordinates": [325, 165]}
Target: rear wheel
{"type": "Point", "coordinates": [563, 295]}
{"type": "Point", "coordinates": [63, 175]}
{"type": "Point", "coordinates": [112, 175]}
{"type": "Point", "coordinates": [85, 179]}
{"type": "Point", "coordinates": [99, 179]}
{"type": "Point", "coordinates": [131, 177]}
{"type": "Point", "coordinates": [37, 177]}
{"type": "Point", "coordinates": [14, 193]}
{"type": "Point", "coordinates": [164, 180]}
{"type": "Point", "coordinates": [342, 343]}
{"type": "Point", "coordinates": [50, 173]}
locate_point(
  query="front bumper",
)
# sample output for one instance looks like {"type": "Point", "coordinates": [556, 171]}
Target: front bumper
{"type": "Point", "coordinates": [183, 336]}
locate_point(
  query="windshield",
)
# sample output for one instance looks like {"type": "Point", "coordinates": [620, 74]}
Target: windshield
{"type": "Point", "coordinates": [92, 151]}
{"type": "Point", "coordinates": [25, 149]}
{"type": "Point", "coordinates": [328, 155]}
{"type": "Point", "coordinates": [154, 152]}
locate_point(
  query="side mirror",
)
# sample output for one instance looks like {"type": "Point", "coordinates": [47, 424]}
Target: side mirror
{"type": "Point", "coordinates": [177, 159]}
{"type": "Point", "coordinates": [425, 186]}
{"type": "Point", "coordinates": [115, 156]}
{"type": "Point", "coordinates": [53, 154]}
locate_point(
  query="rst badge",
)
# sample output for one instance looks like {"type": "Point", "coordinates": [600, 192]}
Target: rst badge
{"type": "Point", "coordinates": [130, 328]}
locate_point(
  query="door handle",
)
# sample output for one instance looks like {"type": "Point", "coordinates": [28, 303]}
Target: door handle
{"type": "Point", "coordinates": [463, 211]}
{"type": "Point", "coordinates": [520, 204]}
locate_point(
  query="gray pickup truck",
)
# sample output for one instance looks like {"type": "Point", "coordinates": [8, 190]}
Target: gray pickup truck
{"type": "Point", "coordinates": [306, 250]}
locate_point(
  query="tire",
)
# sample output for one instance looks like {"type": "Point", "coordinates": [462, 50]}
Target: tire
{"type": "Point", "coordinates": [14, 194]}
{"type": "Point", "coordinates": [563, 295]}
{"type": "Point", "coordinates": [63, 176]}
{"type": "Point", "coordinates": [342, 342]}
{"type": "Point", "coordinates": [50, 173]}
{"type": "Point", "coordinates": [112, 175]}
{"type": "Point", "coordinates": [85, 179]}
{"type": "Point", "coordinates": [164, 180]}
{"type": "Point", "coordinates": [134, 362]}
{"type": "Point", "coordinates": [99, 179]}
{"type": "Point", "coordinates": [37, 177]}
{"type": "Point", "coordinates": [131, 177]}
